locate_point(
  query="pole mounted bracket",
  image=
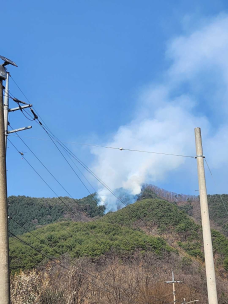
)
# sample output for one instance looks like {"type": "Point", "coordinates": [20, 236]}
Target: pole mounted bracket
{"type": "Point", "coordinates": [199, 156]}
{"type": "Point", "coordinates": [20, 108]}
{"type": "Point", "coordinates": [18, 130]}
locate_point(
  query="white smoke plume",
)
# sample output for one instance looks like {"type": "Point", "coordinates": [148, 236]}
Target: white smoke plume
{"type": "Point", "coordinates": [193, 93]}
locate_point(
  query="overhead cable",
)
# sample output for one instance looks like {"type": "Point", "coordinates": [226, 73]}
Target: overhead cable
{"type": "Point", "coordinates": [89, 170]}
{"type": "Point", "coordinates": [67, 161]}
{"type": "Point", "coordinates": [43, 165]}
{"type": "Point", "coordinates": [50, 258]}
{"type": "Point", "coordinates": [40, 252]}
{"type": "Point", "coordinates": [219, 194]}
{"type": "Point", "coordinates": [118, 148]}
{"type": "Point", "coordinates": [54, 260]}
{"type": "Point", "coordinates": [42, 178]}
{"type": "Point", "coordinates": [56, 193]}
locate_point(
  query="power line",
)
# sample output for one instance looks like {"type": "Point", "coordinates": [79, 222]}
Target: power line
{"type": "Point", "coordinates": [40, 252]}
{"type": "Point", "coordinates": [84, 166]}
{"type": "Point", "coordinates": [41, 178]}
{"type": "Point", "coordinates": [23, 112]}
{"type": "Point", "coordinates": [53, 190]}
{"type": "Point", "coordinates": [56, 193]}
{"type": "Point", "coordinates": [67, 161]}
{"type": "Point", "coordinates": [133, 150]}
{"type": "Point", "coordinates": [22, 226]}
{"type": "Point", "coordinates": [215, 181]}
{"type": "Point", "coordinates": [119, 148]}
{"type": "Point", "coordinates": [19, 88]}
{"type": "Point", "coordinates": [44, 180]}
{"type": "Point", "coordinates": [72, 160]}
{"type": "Point", "coordinates": [53, 140]}
{"type": "Point", "coordinates": [43, 165]}
{"type": "Point", "coordinates": [89, 170]}
{"type": "Point", "coordinates": [50, 258]}
{"type": "Point", "coordinates": [59, 264]}
{"type": "Point", "coordinates": [208, 166]}
{"type": "Point", "coordinates": [36, 118]}
{"type": "Point", "coordinates": [52, 137]}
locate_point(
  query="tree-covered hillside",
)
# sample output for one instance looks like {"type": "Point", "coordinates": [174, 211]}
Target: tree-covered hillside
{"type": "Point", "coordinates": [31, 213]}
{"type": "Point", "coordinates": [80, 239]}
{"type": "Point", "coordinates": [127, 229]}
{"type": "Point", "coordinates": [218, 208]}
{"type": "Point", "coordinates": [218, 205]}
{"type": "Point", "coordinates": [139, 243]}
{"type": "Point", "coordinates": [159, 217]}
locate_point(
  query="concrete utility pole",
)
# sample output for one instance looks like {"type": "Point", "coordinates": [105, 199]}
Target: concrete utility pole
{"type": "Point", "coordinates": [4, 241]}
{"type": "Point", "coordinates": [208, 250]}
{"type": "Point", "coordinates": [174, 291]}
{"type": "Point", "coordinates": [6, 107]}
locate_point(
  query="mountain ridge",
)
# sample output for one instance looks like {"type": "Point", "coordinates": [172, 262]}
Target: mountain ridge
{"type": "Point", "coordinates": [150, 235]}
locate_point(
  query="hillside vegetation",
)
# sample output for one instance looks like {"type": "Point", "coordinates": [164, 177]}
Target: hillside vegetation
{"type": "Point", "coordinates": [130, 279]}
{"type": "Point", "coordinates": [158, 217]}
{"type": "Point", "coordinates": [121, 256]}
{"type": "Point", "coordinates": [138, 226]}
{"type": "Point", "coordinates": [156, 212]}
{"type": "Point", "coordinates": [218, 208]}
{"type": "Point", "coordinates": [190, 204]}
{"type": "Point", "coordinates": [33, 212]}
{"type": "Point", "coordinates": [117, 258]}
{"type": "Point", "coordinates": [80, 239]}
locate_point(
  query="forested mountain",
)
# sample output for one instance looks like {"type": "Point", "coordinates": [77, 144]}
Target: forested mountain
{"type": "Point", "coordinates": [148, 227]}
{"type": "Point", "coordinates": [28, 213]}
{"type": "Point", "coordinates": [121, 230]}
{"type": "Point", "coordinates": [36, 212]}
{"type": "Point", "coordinates": [218, 205]}
{"type": "Point", "coordinates": [142, 242]}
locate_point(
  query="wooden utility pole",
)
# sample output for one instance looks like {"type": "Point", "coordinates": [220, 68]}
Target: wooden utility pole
{"type": "Point", "coordinates": [208, 250]}
{"type": "Point", "coordinates": [4, 242]}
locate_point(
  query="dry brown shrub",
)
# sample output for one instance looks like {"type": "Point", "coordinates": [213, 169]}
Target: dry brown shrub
{"type": "Point", "coordinates": [135, 279]}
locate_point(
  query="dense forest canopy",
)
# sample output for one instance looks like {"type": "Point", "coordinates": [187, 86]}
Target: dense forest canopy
{"type": "Point", "coordinates": [127, 229]}
{"type": "Point", "coordinates": [35, 212]}
{"type": "Point", "coordinates": [152, 232]}
{"type": "Point", "coordinates": [31, 213]}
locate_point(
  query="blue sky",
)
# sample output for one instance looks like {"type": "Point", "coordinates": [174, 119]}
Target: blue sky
{"type": "Point", "coordinates": [91, 69]}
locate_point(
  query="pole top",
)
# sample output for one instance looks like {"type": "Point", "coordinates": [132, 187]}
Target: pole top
{"type": "Point", "coordinates": [7, 61]}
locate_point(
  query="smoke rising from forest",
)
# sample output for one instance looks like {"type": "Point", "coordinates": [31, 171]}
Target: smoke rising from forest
{"type": "Point", "coordinates": [193, 86]}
